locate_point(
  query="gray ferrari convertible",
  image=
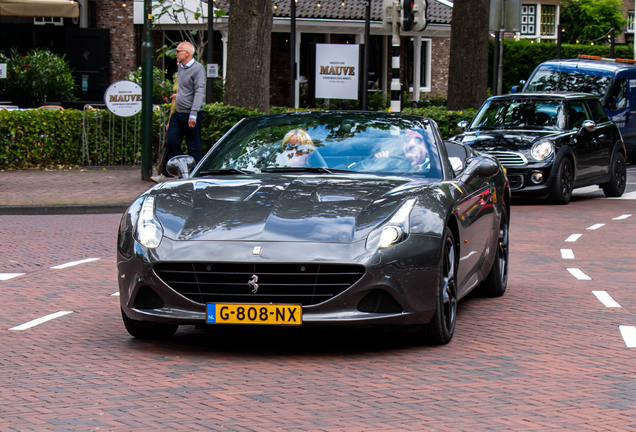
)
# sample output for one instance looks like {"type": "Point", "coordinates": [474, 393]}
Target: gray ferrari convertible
{"type": "Point", "coordinates": [321, 218]}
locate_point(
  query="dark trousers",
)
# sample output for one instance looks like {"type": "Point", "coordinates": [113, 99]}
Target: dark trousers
{"type": "Point", "coordinates": [177, 129]}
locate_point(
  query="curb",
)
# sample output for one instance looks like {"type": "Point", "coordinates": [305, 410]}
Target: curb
{"type": "Point", "coordinates": [63, 209]}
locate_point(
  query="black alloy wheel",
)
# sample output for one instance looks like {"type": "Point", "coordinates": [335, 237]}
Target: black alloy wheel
{"type": "Point", "coordinates": [441, 328]}
{"type": "Point", "coordinates": [147, 330]}
{"type": "Point", "coordinates": [497, 280]}
{"type": "Point", "coordinates": [563, 184]}
{"type": "Point", "coordinates": [616, 186]}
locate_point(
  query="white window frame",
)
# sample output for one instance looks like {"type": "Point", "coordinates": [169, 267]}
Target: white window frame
{"type": "Point", "coordinates": [417, 61]}
{"type": "Point", "coordinates": [58, 21]}
{"type": "Point", "coordinates": [630, 22]}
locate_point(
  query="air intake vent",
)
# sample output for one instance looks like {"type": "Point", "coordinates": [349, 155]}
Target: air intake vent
{"type": "Point", "coordinates": [379, 301]}
{"type": "Point", "coordinates": [305, 284]}
{"type": "Point", "coordinates": [508, 159]}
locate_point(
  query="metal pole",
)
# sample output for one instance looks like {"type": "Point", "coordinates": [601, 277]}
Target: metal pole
{"type": "Point", "coordinates": [612, 44]}
{"type": "Point", "coordinates": [210, 88]}
{"type": "Point", "coordinates": [495, 64]}
{"type": "Point", "coordinates": [146, 96]}
{"type": "Point", "coordinates": [501, 43]}
{"type": "Point", "coordinates": [292, 56]}
{"type": "Point", "coordinates": [559, 41]}
{"type": "Point", "coordinates": [367, 42]}
{"type": "Point", "coordinates": [396, 89]}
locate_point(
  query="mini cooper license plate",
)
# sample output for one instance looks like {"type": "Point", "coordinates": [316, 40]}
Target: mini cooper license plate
{"type": "Point", "coordinates": [255, 313]}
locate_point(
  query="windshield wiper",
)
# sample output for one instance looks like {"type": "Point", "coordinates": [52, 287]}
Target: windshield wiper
{"type": "Point", "coordinates": [224, 171]}
{"type": "Point", "coordinates": [298, 169]}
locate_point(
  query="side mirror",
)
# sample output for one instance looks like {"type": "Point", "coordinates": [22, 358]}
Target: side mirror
{"type": "Point", "coordinates": [462, 126]}
{"type": "Point", "coordinates": [522, 83]}
{"type": "Point", "coordinates": [481, 167]}
{"type": "Point", "coordinates": [181, 166]}
{"type": "Point", "coordinates": [588, 125]}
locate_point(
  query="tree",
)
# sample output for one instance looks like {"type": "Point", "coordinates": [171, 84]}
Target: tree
{"type": "Point", "coordinates": [468, 70]}
{"type": "Point", "coordinates": [248, 54]}
{"type": "Point", "coordinates": [588, 20]}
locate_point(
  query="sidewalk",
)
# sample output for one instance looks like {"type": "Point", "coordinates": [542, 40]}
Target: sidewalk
{"type": "Point", "coordinates": [70, 191]}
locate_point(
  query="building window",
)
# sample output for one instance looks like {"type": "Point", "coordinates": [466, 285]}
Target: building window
{"type": "Point", "coordinates": [548, 20]}
{"type": "Point", "coordinates": [419, 54]}
{"type": "Point", "coordinates": [47, 20]}
{"type": "Point", "coordinates": [630, 21]}
{"type": "Point", "coordinates": [528, 20]}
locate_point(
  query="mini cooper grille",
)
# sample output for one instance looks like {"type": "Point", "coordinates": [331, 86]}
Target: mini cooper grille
{"type": "Point", "coordinates": [509, 158]}
{"type": "Point", "coordinates": [305, 284]}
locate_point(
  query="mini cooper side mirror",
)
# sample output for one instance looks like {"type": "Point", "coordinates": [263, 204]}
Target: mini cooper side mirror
{"type": "Point", "coordinates": [462, 126]}
{"type": "Point", "coordinates": [588, 125]}
{"type": "Point", "coordinates": [181, 166]}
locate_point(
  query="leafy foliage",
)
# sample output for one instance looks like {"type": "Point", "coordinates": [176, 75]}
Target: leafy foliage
{"type": "Point", "coordinates": [446, 120]}
{"type": "Point", "coordinates": [161, 86]}
{"type": "Point", "coordinates": [588, 20]}
{"type": "Point", "coordinates": [37, 77]}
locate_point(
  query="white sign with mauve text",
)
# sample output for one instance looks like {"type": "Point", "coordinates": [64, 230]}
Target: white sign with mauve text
{"type": "Point", "coordinates": [337, 71]}
{"type": "Point", "coordinates": [123, 98]}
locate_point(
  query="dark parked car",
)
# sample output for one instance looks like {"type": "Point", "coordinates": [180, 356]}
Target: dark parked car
{"type": "Point", "coordinates": [550, 143]}
{"type": "Point", "coordinates": [349, 219]}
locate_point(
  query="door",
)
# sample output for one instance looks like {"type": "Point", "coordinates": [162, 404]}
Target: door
{"type": "Point", "coordinates": [88, 53]}
{"type": "Point", "coordinates": [606, 135]}
{"type": "Point", "coordinates": [585, 144]}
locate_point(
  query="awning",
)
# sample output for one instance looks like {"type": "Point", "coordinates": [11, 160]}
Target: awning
{"type": "Point", "coordinates": [39, 8]}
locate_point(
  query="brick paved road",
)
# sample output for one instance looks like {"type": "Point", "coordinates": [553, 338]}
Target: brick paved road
{"type": "Point", "coordinates": [546, 356]}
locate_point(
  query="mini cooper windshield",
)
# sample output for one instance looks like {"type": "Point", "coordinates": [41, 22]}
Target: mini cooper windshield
{"type": "Point", "coordinates": [520, 114]}
{"type": "Point", "coordinates": [327, 142]}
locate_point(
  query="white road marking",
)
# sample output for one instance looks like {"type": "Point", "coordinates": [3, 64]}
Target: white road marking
{"type": "Point", "coordinates": [573, 238]}
{"type": "Point", "coordinates": [7, 276]}
{"type": "Point", "coordinates": [626, 196]}
{"type": "Point", "coordinates": [577, 273]}
{"type": "Point", "coordinates": [115, 294]}
{"type": "Point", "coordinates": [595, 226]}
{"type": "Point", "coordinates": [629, 335]}
{"type": "Point", "coordinates": [567, 254]}
{"type": "Point", "coordinates": [606, 299]}
{"type": "Point", "coordinates": [41, 320]}
{"type": "Point", "coordinates": [74, 263]}
{"type": "Point", "coordinates": [621, 217]}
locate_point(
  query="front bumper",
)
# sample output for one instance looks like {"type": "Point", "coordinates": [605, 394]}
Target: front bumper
{"type": "Point", "coordinates": [407, 271]}
{"type": "Point", "coordinates": [521, 183]}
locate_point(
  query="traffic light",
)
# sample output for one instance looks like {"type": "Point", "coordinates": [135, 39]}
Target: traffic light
{"type": "Point", "coordinates": [418, 12]}
{"type": "Point", "coordinates": [408, 16]}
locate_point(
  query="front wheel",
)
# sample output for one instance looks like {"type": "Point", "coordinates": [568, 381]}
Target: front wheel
{"type": "Point", "coordinates": [616, 186]}
{"type": "Point", "coordinates": [563, 183]}
{"type": "Point", "coordinates": [497, 280]}
{"type": "Point", "coordinates": [146, 330]}
{"type": "Point", "coordinates": [441, 328]}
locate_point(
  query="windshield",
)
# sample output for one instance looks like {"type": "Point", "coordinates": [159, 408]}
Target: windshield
{"type": "Point", "coordinates": [520, 114]}
{"type": "Point", "coordinates": [554, 80]}
{"type": "Point", "coordinates": [326, 142]}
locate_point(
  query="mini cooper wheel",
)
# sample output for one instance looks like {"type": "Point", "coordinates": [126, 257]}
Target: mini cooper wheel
{"type": "Point", "coordinates": [497, 280]}
{"type": "Point", "coordinates": [563, 184]}
{"type": "Point", "coordinates": [146, 330]}
{"type": "Point", "coordinates": [441, 328]}
{"type": "Point", "coordinates": [616, 186]}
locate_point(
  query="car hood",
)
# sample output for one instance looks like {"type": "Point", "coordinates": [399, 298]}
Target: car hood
{"type": "Point", "coordinates": [280, 208]}
{"type": "Point", "coordinates": [504, 140]}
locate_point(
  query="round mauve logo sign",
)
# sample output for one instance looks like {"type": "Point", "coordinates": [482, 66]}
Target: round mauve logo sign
{"type": "Point", "coordinates": [123, 98]}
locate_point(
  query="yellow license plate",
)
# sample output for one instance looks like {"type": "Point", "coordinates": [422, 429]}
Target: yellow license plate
{"type": "Point", "coordinates": [255, 313]}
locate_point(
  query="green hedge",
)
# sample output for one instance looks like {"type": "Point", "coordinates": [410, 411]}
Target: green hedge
{"type": "Point", "coordinates": [522, 57]}
{"type": "Point", "coordinates": [46, 138]}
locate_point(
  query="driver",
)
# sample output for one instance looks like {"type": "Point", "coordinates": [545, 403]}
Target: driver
{"type": "Point", "coordinates": [415, 151]}
{"type": "Point", "coordinates": [297, 148]}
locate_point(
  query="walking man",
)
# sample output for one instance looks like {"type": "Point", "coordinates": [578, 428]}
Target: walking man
{"type": "Point", "coordinates": [187, 119]}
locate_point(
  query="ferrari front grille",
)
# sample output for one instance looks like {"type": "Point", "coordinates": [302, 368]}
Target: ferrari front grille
{"type": "Point", "coordinates": [509, 159]}
{"type": "Point", "coordinates": [305, 284]}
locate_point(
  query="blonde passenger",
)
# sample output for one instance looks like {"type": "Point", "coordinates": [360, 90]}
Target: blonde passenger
{"type": "Point", "coordinates": [297, 148]}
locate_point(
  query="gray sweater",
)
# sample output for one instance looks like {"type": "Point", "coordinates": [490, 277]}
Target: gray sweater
{"type": "Point", "coordinates": [191, 91]}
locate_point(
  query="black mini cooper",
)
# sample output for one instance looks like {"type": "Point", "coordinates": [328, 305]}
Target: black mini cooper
{"type": "Point", "coordinates": [550, 143]}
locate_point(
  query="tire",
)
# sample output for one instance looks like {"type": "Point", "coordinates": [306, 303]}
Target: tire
{"type": "Point", "coordinates": [616, 186]}
{"type": "Point", "coordinates": [497, 281]}
{"type": "Point", "coordinates": [144, 330]}
{"type": "Point", "coordinates": [440, 329]}
{"type": "Point", "coordinates": [563, 183]}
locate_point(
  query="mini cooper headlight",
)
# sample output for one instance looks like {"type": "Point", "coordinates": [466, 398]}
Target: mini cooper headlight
{"type": "Point", "coordinates": [542, 150]}
{"type": "Point", "coordinates": [394, 231]}
{"type": "Point", "coordinates": [149, 231]}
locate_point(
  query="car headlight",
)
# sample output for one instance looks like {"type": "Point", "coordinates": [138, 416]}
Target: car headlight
{"type": "Point", "coordinates": [394, 230]}
{"type": "Point", "coordinates": [149, 231]}
{"type": "Point", "coordinates": [542, 150]}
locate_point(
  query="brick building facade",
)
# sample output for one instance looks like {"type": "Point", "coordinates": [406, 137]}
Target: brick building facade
{"type": "Point", "coordinates": [124, 52]}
